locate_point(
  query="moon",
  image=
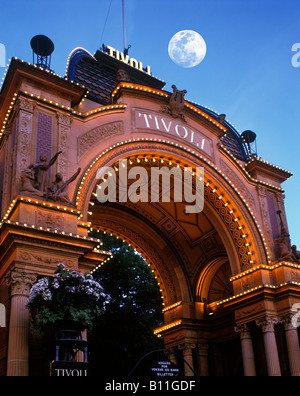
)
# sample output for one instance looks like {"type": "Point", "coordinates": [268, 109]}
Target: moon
{"type": "Point", "coordinates": [187, 48]}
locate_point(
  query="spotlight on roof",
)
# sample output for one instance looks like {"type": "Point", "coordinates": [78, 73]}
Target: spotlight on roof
{"type": "Point", "coordinates": [42, 48]}
{"type": "Point", "coordinates": [249, 138]}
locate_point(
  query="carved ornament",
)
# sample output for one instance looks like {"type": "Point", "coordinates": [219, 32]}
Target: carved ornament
{"type": "Point", "coordinates": [89, 139]}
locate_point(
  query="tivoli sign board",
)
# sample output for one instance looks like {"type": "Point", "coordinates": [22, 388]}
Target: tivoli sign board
{"type": "Point", "coordinates": [69, 369]}
{"type": "Point", "coordinates": [145, 120]}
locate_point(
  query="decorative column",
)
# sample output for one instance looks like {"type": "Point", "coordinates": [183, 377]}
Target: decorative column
{"type": "Point", "coordinates": [247, 350]}
{"type": "Point", "coordinates": [22, 151]}
{"type": "Point", "coordinates": [203, 362]}
{"type": "Point", "coordinates": [64, 130]}
{"type": "Point", "coordinates": [18, 341]}
{"type": "Point", "coordinates": [292, 341]}
{"type": "Point", "coordinates": [187, 351]}
{"type": "Point", "coordinates": [267, 325]}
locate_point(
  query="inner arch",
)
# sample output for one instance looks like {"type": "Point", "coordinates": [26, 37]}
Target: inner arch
{"type": "Point", "coordinates": [175, 244]}
{"type": "Point", "coordinates": [231, 214]}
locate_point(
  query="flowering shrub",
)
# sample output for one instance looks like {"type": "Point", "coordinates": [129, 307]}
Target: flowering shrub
{"type": "Point", "coordinates": [69, 295]}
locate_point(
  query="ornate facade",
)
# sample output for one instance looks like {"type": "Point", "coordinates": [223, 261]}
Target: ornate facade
{"type": "Point", "coordinates": [229, 276]}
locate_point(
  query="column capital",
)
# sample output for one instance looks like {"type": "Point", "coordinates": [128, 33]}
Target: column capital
{"type": "Point", "coordinates": [202, 349]}
{"type": "Point", "coordinates": [290, 321]}
{"type": "Point", "coordinates": [64, 119]}
{"type": "Point", "coordinates": [21, 282]}
{"type": "Point", "coordinates": [243, 330]}
{"type": "Point", "coordinates": [25, 104]}
{"type": "Point", "coordinates": [267, 323]}
{"type": "Point", "coordinates": [187, 346]}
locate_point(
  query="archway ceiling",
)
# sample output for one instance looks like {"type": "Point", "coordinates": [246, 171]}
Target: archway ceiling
{"type": "Point", "coordinates": [192, 237]}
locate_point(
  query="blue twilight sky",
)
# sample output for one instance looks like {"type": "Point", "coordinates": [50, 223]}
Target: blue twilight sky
{"type": "Point", "coordinates": [247, 72]}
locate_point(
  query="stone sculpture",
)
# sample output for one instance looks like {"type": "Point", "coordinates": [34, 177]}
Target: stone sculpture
{"type": "Point", "coordinates": [58, 188]}
{"type": "Point", "coordinates": [176, 104]}
{"type": "Point", "coordinates": [296, 253]}
{"type": "Point", "coordinates": [286, 250]}
{"type": "Point", "coordinates": [28, 181]}
{"type": "Point", "coordinates": [42, 174]}
{"type": "Point", "coordinates": [35, 181]}
{"type": "Point", "coordinates": [122, 75]}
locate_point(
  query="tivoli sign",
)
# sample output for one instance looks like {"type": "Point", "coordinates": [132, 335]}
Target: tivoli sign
{"type": "Point", "coordinates": [120, 56]}
{"type": "Point", "coordinates": [154, 122]}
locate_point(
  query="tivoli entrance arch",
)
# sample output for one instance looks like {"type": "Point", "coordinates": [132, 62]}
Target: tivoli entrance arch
{"type": "Point", "coordinates": [228, 275]}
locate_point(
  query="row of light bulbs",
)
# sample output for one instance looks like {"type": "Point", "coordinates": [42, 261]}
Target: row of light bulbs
{"type": "Point", "coordinates": [262, 286]}
{"type": "Point", "coordinates": [266, 267]}
{"type": "Point", "coordinates": [167, 327]}
{"type": "Point", "coordinates": [268, 163]}
{"type": "Point", "coordinates": [37, 202]}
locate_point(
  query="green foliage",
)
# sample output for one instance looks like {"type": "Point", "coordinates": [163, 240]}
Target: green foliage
{"type": "Point", "coordinates": [125, 331]}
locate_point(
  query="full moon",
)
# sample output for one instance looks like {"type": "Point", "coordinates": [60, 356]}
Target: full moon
{"type": "Point", "coordinates": [187, 48]}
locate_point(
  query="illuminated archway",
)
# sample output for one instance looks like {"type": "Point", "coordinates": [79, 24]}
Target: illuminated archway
{"type": "Point", "coordinates": [231, 214]}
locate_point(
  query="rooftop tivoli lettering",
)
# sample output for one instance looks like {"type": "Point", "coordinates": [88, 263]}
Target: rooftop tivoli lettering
{"type": "Point", "coordinates": [120, 56]}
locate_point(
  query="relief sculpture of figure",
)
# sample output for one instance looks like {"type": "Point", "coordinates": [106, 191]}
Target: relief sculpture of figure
{"type": "Point", "coordinates": [58, 191]}
{"type": "Point", "coordinates": [286, 250]}
{"type": "Point", "coordinates": [296, 253]}
{"type": "Point", "coordinates": [42, 173]}
{"type": "Point", "coordinates": [176, 104]}
{"type": "Point", "coordinates": [122, 75]}
{"type": "Point", "coordinates": [27, 183]}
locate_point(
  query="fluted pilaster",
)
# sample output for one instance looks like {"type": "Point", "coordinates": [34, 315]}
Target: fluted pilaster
{"type": "Point", "coordinates": [267, 325]}
{"type": "Point", "coordinates": [17, 359]}
{"type": "Point", "coordinates": [203, 359]}
{"type": "Point", "coordinates": [187, 351]}
{"type": "Point", "coordinates": [247, 350]}
{"type": "Point", "coordinates": [292, 341]}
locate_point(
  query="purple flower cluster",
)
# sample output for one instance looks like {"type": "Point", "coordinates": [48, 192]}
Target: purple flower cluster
{"type": "Point", "coordinates": [41, 288]}
{"type": "Point", "coordinates": [68, 294]}
{"type": "Point", "coordinates": [72, 282]}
